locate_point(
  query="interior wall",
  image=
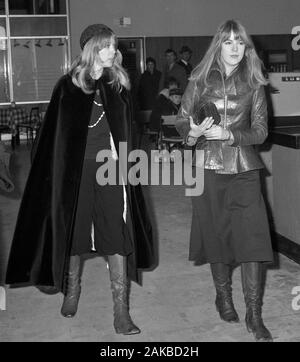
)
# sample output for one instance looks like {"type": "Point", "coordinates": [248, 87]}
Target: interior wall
{"type": "Point", "coordinates": [156, 46]}
{"type": "Point", "coordinates": [182, 17]}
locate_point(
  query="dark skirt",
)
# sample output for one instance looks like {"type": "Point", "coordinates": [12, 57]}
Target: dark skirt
{"type": "Point", "coordinates": [230, 223]}
{"type": "Point", "coordinates": [103, 206]}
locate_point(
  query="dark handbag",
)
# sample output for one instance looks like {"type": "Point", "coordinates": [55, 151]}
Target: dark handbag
{"type": "Point", "coordinates": [203, 110]}
{"type": "Point", "coordinates": [200, 111]}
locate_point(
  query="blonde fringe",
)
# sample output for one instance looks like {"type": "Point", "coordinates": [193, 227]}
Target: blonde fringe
{"type": "Point", "coordinates": [81, 69]}
{"type": "Point", "coordinates": [253, 68]}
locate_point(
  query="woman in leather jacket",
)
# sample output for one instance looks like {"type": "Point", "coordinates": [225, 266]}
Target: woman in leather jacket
{"type": "Point", "coordinates": [229, 224]}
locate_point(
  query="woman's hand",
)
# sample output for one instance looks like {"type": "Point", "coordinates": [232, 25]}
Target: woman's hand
{"type": "Point", "coordinates": [197, 131]}
{"type": "Point", "coordinates": [217, 133]}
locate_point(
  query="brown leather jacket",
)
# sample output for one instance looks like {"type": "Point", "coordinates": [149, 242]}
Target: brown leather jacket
{"type": "Point", "coordinates": [243, 111]}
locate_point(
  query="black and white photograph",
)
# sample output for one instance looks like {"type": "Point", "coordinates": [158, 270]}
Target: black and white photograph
{"type": "Point", "coordinates": [149, 174]}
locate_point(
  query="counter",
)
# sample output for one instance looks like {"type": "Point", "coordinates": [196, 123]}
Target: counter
{"type": "Point", "coordinates": [286, 136]}
{"type": "Point", "coordinates": [284, 141]}
{"type": "Point", "coordinates": [285, 131]}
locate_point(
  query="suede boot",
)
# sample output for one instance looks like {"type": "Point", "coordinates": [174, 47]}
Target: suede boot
{"type": "Point", "coordinates": [72, 294]}
{"type": "Point", "coordinates": [119, 285]}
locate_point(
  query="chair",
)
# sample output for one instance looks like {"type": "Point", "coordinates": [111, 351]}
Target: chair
{"type": "Point", "coordinates": [143, 120]}
{"type": "Point", "coordinates": [32, 125]}
{"type": "Point", "coordinates": [4, 129]}
{"type": "Point", "coordinates": [169, 135]}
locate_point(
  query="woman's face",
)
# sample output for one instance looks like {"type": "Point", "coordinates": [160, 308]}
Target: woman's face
{"type": "Point", "coordinates": [107, 54]}
{"type": "Point", "coordinates": [232, 52]}
{"type": "Point", "coordinates": [105, 59]}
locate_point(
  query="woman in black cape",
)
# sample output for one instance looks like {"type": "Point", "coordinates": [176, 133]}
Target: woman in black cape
{"type": "Point", "coordinates": [64, 203]}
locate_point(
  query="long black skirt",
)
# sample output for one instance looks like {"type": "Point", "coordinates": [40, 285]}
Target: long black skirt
{"type": "Point", "coordinates": [230, 223]}
{"type": "Point", "coordinates": [102, 206]}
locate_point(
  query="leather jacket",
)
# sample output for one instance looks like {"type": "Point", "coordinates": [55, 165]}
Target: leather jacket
{"type": "Point", "coordinates": [243, 111]}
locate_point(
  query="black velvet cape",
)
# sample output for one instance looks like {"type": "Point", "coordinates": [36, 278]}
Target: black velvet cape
{"type": "Point", "coordinates": [42, 239]}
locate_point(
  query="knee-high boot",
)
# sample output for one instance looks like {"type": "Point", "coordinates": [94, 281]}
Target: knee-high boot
{"type": "Point", "coordinates": [72, 293]}
{"type": "Point", "coordinates": [119, 285]}
{"type": "Point", "coordinates": [252, 279]}
{"type": "Point", "coordinates": [224, 303]}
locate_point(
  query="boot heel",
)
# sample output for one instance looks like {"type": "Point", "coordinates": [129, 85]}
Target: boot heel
{"type": "Point", "coordinates": [127, 329]}
{"type": "Point", "coordinates": [70, 305]}
{"type": "Point", "coordinates": [227, 313]}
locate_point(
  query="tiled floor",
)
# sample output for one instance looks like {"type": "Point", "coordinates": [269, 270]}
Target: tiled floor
{"type": "Point", "coordinates": [176, 302]}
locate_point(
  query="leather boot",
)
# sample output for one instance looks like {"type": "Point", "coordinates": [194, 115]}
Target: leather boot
{"type": "Point", "coordinates": [71, 299]}
{"type": "Point", "coordinates": [119, 285]}
{"type": "Point", "coordinates": [252, 278]}
{"type": "Point", "coordinates": [224, 303]}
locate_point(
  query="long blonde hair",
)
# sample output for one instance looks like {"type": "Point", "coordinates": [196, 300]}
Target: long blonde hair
{"type": "Point", "coordinates": [252, 68]}
{"type": "Point", "coordinates": [83, 64]}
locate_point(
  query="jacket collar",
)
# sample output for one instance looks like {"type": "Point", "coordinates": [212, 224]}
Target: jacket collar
{"type": "Point", "coordinates": [228, 82]}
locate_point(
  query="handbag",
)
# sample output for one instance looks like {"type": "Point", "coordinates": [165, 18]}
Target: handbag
{"type": "Point", "coordinates": [201, 110]}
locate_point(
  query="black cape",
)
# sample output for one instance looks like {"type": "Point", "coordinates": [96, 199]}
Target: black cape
{"type": "Point", "coordinates": [42, 240]}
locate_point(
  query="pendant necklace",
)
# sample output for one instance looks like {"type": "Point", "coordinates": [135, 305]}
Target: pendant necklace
{"type": "Point", "coordinates": [102, 114]}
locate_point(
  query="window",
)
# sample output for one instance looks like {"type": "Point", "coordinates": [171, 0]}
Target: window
{"type": "Point", "coordinates": [2, 7]}
{"type": "Point", "coordinates": [34, 49]}
{"type": "Point", "coordinates": [37, 6]}
{"type": "Point", "coordinates": [36, 66]}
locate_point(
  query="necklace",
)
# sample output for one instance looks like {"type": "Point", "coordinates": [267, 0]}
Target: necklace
{"type": "Point", "coordinates": [102, 114]}
{"type": "Point", "coordinates": [99, 119]}
{"type": "Point", "coordinates": [98, 104]}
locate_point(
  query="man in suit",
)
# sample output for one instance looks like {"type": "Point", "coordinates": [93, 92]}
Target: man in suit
{"type": "Point", "coordinates": [185, 56]}
{"type": "Point", "coordinates": [149, 85]}
{"type": "Point", "coordinates": [173, 70]}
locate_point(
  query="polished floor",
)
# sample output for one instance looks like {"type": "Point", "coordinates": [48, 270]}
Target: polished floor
{"type": "Point", "coordinates": [175, 303]}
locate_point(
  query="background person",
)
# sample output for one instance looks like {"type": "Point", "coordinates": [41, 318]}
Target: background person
{"type": "Point", "coordinates": [184, 61]}
{"type": "Point", "coordinates": [173, 70]}
{"type": "Point", "coordinates": [164, 105]}
{"type": "Point", "coordinates": [149, 85]}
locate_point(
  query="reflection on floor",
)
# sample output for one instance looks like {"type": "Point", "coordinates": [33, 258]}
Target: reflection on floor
{"type": "Point", "coordinates": [176, 302]}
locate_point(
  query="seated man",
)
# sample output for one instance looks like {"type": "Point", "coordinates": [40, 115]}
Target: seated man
{"type": "Point", "coordinates": [168, 103]}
